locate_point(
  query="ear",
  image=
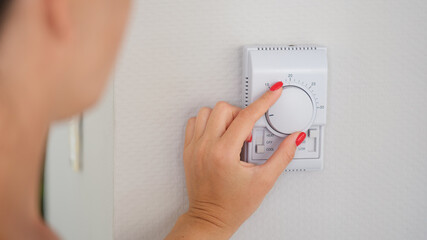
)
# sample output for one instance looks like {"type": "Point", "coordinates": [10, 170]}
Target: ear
{"type": "Point", "coordinates": [58, 17]}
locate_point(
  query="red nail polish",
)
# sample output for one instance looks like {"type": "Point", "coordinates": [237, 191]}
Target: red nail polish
{"type": "Point", "coordinates": [276, 86]}
{"type": "Point", "coordinates": [250, 139]}
{"type": "Point", "coordinates": [300, 138]}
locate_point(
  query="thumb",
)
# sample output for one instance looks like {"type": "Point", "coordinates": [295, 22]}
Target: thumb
{"type": "Point", "coordinates": [284, 154]}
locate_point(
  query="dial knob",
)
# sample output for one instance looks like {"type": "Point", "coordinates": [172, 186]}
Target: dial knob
{"type": "Point", "coordinates": [294, 111]}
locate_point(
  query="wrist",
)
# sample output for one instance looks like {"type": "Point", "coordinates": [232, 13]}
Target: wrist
{"type": "Point", "coordinates": [208, 223]}
{"type": "Point", "coordinates": [191, 225]}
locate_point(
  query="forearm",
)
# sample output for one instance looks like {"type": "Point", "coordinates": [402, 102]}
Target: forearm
{"type": "Point", "coordinates": [189, 227]}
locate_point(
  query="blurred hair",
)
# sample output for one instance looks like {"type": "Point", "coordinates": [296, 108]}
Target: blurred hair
{"type": "Point", "coordinates": [4, 5]}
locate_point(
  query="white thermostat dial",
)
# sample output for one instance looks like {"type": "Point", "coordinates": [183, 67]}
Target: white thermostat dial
{"type": "Point", "coordinates": [303, 69]}
{"type": "Point", "coordinates": [293, 112]}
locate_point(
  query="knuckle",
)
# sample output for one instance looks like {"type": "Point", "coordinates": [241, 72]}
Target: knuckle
{"type": "Point", "coordinates": [246, 114]}
{"type": "Point", "coordinates": [204, 110]}
{"type": "Point", "coordinates": [191, 120]}
{"type": "Point", "coordinates": [222, 105]}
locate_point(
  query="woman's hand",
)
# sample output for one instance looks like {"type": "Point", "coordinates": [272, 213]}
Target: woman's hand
{"type": "Point", "coordinates": [224, 191]}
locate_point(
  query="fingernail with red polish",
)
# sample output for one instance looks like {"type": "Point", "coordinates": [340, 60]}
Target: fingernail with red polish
{"type": "Point", "coordinates": [276, 86]}
{"type": "Point", "coordinates": [300, 138]}
{"type": "Point", "coordinates": [250, 139]}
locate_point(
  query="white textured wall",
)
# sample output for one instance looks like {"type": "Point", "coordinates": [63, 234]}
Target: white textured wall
{"type": "Point", "coordinates": [182, 55]}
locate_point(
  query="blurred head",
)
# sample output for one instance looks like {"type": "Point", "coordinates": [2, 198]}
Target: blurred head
{"type": "Point", "coordinates": [59, 53]}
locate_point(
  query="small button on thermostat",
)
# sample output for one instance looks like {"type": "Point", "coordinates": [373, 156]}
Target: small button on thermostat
{"type": "Point", "coordinates": [312, 133]}
{"type": "Point", "coordinates": [259, 148]}
{"type": "Point", "coordinates": [310, 144]}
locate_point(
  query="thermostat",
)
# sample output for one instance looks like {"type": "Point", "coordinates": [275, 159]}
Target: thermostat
{"type": "Point", "coordinates": [303, 69]}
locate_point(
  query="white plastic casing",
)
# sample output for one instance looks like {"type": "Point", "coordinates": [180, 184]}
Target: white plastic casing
{"type": "Point", "coordinates": [76, 132]}
{"type": "Point", "coordinates": [302, 107]}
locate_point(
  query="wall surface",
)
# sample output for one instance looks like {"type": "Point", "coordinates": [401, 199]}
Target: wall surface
{"type": "Point", "coordinates": [79, 205]}
{"type": "Point", "coordinates": [182, 55]}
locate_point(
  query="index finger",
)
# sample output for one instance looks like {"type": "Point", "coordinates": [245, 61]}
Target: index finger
{"type": "Point", "coordinates": [242, 125]}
